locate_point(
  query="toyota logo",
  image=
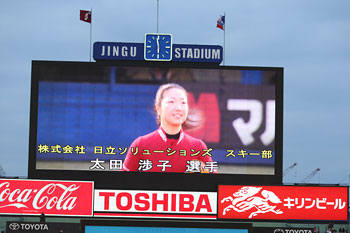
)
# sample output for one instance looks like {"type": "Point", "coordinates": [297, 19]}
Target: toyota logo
{"type": "Point", "coordinates": [14, 226]}
{"type": "Point", "coordinates": [278, 231]}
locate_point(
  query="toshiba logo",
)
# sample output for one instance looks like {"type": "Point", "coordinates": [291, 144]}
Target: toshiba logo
{"type": "Point", "coordinates": [155, 201]}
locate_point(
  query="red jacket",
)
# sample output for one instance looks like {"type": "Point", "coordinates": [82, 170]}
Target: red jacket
{"type": "Point", "coordinates": [154, 152]}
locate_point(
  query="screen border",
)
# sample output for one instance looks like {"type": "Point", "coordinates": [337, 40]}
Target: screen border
{"type": "Point", "coordinates": [156, 181]}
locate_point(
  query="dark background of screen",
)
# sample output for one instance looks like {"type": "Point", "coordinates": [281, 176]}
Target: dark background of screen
{"type": "Point", "coordinates": [95, 101]}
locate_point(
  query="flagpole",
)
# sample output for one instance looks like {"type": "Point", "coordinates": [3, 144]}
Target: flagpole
{"type": "Point", "coordinates": [157, 16]}
{"type": "Point", "coordinates": [90, 34]}
{"type": "Point", "coordinates": [224, 36]}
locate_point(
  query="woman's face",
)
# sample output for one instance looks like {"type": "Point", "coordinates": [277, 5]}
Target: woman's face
{"type": "Point", "coordinates": [173, 108]}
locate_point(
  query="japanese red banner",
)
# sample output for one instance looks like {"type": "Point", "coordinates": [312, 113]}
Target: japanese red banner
{"type": "Point", "coordinates": [283, 202]}
{"type": "Point", "coordinates": [33, 197]}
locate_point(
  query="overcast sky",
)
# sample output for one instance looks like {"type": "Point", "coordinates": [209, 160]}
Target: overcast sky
{"type": "Point", "coordinates": [310, 39]}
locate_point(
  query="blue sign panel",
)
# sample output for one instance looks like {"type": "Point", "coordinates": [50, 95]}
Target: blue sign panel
{"type": "Point", "coordinates": [118, 51]}
{"type": "Point", "coordinates": [180, 52]}
{"type": "Point", "coordinates": [197, 53]}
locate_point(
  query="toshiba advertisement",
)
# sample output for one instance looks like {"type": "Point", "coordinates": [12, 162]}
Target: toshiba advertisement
{"type": "Point", "coordinates": [155, 204]}
{"type": "Point", "coordinates": [34, 197]}
{"type": "Point", "coordinates": [283, 202]}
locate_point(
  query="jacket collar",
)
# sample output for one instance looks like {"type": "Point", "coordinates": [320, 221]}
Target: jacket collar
{"type": "Point", "coordinates": [162, 134]}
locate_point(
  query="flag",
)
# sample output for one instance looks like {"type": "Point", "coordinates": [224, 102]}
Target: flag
{"type": "Point", "coordinates": [85, 16]}
{"type": "Point", "coordinates": [221, 22]}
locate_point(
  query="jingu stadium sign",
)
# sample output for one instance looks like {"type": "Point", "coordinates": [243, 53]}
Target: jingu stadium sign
{"type": "Point", "coordinates": [158, 47]}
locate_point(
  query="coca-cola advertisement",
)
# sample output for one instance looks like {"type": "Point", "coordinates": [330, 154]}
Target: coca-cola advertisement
{"type": "Point", "coordinates": [34, 197]}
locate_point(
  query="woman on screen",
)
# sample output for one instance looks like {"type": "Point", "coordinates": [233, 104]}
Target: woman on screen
{"type": "Point", "coordinates": [169, 148]}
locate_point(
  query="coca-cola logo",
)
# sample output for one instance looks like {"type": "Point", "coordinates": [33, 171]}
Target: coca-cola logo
{"type": "Point", "coordinates": [40, 198]}
{"type": "Point", "coordinates": [36, 197]}
{"type": "Point", "coordinates": [51, 196]}
{"type": "Point", "coordinates": [14, 226]}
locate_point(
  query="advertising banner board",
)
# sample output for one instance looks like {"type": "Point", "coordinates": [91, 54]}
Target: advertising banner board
{"type": "Point", "coordinates": [283, 203]}
{"type": "Point", "coordinates": [155, 204]}
{"type": "Point", "coordinates": [35, 227]}
{"type": "Point", "coordinates": [34, 197]}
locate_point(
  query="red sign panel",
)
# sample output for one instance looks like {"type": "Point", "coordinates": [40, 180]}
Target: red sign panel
{"type": "Point", "coordinates": [33, 197]}
{"type": "Point", "coordinates": [155, 204]}
{"type": "Point", "coordinates": [283, 202]}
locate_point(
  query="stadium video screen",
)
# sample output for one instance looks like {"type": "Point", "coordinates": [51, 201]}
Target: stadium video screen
{"type": "Point", "coordinates": [105, 119]}
{"type": "Point", "coordinates": [135, 226]}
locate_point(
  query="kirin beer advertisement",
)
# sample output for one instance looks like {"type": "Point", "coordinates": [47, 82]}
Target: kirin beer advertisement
{"type": "Point", "coordinates": [282, 202]}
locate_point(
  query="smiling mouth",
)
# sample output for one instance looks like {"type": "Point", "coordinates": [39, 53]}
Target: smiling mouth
{"type": "Point", "coordinates": [177, 115]}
